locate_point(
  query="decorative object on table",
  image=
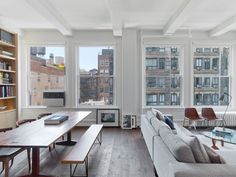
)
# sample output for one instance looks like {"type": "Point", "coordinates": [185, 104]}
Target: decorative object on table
{"type": "Point", "coordinates": [224, 97]}
{"type": "Point", "coordinates": [108, 117]}
{"type": "Point", "coordinates": [128, 121]}
{"type": "Point", "coordinates": [55, 119]}
{"type": "Point", "coordinates": [222, 132]}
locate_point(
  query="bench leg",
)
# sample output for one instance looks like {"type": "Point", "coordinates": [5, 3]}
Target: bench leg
{"type": "Point", "coordinates": [72, 171]}
{"type": "Point", "coordinates": [86, 165]}
{"type": "Point", "coordinates": [100, 138]}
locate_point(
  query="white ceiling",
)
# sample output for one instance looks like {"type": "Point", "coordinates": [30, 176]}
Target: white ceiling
{"type": "Point", "coordinates": [214, 16]}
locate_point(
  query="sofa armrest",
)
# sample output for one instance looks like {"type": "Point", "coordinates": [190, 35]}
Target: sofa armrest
{"type": "Point", "coordinates": [202, 170]}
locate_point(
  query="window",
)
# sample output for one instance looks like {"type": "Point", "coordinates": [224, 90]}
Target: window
{"type": "Point", "coordinates": [211, 74]}
{"type": "Point", "coordinates": [96, 75]}
{"type": "Point", "coordinates": [163, 75]}
{"type": "Point", "coordinates": [47, 71]}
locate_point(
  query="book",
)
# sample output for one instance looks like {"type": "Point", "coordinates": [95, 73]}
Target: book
{"type": "Point", "coordinates": [55, 119]}
{"type": "Point", "coordinates": [220, 131]}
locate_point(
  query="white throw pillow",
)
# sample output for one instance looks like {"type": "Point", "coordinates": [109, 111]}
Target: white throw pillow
{"type": "Point", "coordinates": [158, 114]}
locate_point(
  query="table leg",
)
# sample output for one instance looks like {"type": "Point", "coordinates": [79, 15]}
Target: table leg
{"type": "Point", "coordinates": [214, 144]}
{"type": "Point", "coordinates": [68, 142]}
{"type": "Point", "coordinates": [36, 164]}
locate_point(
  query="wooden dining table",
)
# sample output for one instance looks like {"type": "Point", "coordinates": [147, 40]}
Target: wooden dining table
{"type": "Point", "coordinates": [37, 135]}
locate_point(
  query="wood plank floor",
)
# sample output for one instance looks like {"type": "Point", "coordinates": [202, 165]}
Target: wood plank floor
{"type": "Point", "coordinates": [123, 153]}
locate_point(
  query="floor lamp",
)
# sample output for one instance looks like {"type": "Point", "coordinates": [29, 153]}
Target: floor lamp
{"type": "Point", "coordinates": [222, 98]}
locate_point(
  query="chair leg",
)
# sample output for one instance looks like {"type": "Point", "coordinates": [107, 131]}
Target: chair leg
{"type": "Point", "coordinates": [28, 156]}
{"type": "Point", "coordinates": [12, 160]}
{"type": "Point", "coordinates": [6, 166]}
{"type": "Point", "coordinates": [184, 122]}
{"type": "Point", "coordinates": [2, 168]}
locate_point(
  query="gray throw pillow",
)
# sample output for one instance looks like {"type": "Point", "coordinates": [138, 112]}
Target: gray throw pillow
{"type": "Point", "coordinates": [214, 157]}
{"type": "Point", "coordinates": [197, 148]}
{"type": "Point", "coordinates": [180, 150]}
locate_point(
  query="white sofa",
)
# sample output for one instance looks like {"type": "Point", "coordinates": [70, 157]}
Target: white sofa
{"type": "Point", "coordinates": [165, 162]}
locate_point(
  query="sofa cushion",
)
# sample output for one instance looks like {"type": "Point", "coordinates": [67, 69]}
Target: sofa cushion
{"type": "Point", "coordinates": [180, 150]}
{"type": "Point", "coordinates": [213, 156]}
{"type": "Point", "coordinates": [150, 115]}
{"type": "Point", "coordinates": [197, 148]}
{"type": "Point", "coordinates": [157, 125]}
{"type": "Point", "coordinates": [158, 114]}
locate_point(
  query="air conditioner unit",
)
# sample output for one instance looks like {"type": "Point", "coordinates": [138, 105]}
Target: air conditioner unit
{"type": "Point", "coordinates": [54, 98]}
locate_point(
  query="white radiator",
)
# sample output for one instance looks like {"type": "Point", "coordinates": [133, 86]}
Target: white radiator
{"type": "Point", "coordinates": [230, 120]}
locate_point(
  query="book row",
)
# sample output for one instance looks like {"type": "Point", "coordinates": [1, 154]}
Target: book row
{"type": "Point", "coordinates": [6, 91]}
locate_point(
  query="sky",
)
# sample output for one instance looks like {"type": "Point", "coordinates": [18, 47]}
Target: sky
{"type": "Point", "coordinates": [87, 55]}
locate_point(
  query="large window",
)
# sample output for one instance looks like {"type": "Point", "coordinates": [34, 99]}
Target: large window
{"type": "Point", "coordinates": [163, 75]}
{"type": "Point", "coordinates": [96, 75]}
{"type": "Point", "coordinates": [211, 74]}
{"type": "Point", "coordinates": [47, 72]}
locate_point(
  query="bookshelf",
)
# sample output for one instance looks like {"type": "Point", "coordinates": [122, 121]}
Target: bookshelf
{"type": "Point", "coordinates": [8, 74]}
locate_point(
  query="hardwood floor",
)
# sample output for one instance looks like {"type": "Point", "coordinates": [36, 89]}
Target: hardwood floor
{"type": "Point", "coordinates": [123, 153]}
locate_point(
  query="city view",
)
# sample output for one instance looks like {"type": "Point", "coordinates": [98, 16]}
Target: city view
{"type": "Point", "coordinates": [96, 75]}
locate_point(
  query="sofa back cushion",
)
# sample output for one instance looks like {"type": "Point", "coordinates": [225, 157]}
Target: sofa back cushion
{"type": "Point", "coordinates": [157, 125]}
{"type": "Point", "coordinates": [179, 149]}
{"type": "Point", "coordinates": [150, 115]}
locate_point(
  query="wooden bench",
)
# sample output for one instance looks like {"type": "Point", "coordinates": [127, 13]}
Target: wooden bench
{"type": "Point", "coordinates": [79, 153]}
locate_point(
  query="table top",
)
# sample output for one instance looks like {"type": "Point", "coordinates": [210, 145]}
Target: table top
{"type": "Point", "coordinates": [227, 135]}
{"type": "Point", "coordinates": [37, 134]}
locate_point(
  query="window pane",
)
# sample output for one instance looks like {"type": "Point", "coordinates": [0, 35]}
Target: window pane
{"type": "Point", "coordinates": [47, 71]}
{"type": "Point", "coordinates": [211, 76]}
{"type": "Point", "coordinates": [96, 75]}
{"type": "Point", "coordinates": [163, 79]}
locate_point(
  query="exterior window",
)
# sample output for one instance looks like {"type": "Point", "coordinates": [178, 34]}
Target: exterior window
{"type": "Point", "coordinates": [207, 64]}
{"type": "Point", "coordinates": [96, 75]}
{"type": "Point", "coordinates": [46, 64]}
{"type": "Point", "coordinates": [151, 100]}
{"type": "Point", "coordinates": [211, 78]}
{"type": "Point", "coordinates": [163, 75]}
{"type": "Point", "coordinates": [162, 99]}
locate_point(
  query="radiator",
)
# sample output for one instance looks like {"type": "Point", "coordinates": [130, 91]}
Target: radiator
{"type": "Point", "coordinates": [230, 120]}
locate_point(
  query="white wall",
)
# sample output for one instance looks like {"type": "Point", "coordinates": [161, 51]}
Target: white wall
{"type": "Point", "coordinates": [128, 66]}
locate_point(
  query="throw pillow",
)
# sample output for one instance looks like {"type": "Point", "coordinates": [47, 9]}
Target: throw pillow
{"type": "Point", "coordinates": [180, 150]}
{"type": "Point", "coordinates": [158, 114]}
{"type": "Point", "coordinates": [197, 148]}
{"type": "Point", "coordinates": [169, 122]}
{"type": "Point", "coordinates": [214, 157]}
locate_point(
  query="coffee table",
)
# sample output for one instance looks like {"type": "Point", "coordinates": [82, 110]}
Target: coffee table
{"type": "Point", "coordinates": [224, 135]}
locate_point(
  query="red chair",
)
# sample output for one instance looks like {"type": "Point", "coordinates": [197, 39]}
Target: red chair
{"type": "Point", "coordinates": [209, 115]}
{"type": "Point", "coordinates": [192, 115]}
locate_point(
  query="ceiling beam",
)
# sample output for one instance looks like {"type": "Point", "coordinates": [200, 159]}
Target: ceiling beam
{"type": "Point", "coordinates": [179, 17]}
{"type": "Point", "coordinates": [114, 7]}
{"type": "Point", "coordinates": [52, 15]}
{"type": "Point", "coordinates": [224, 27]}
